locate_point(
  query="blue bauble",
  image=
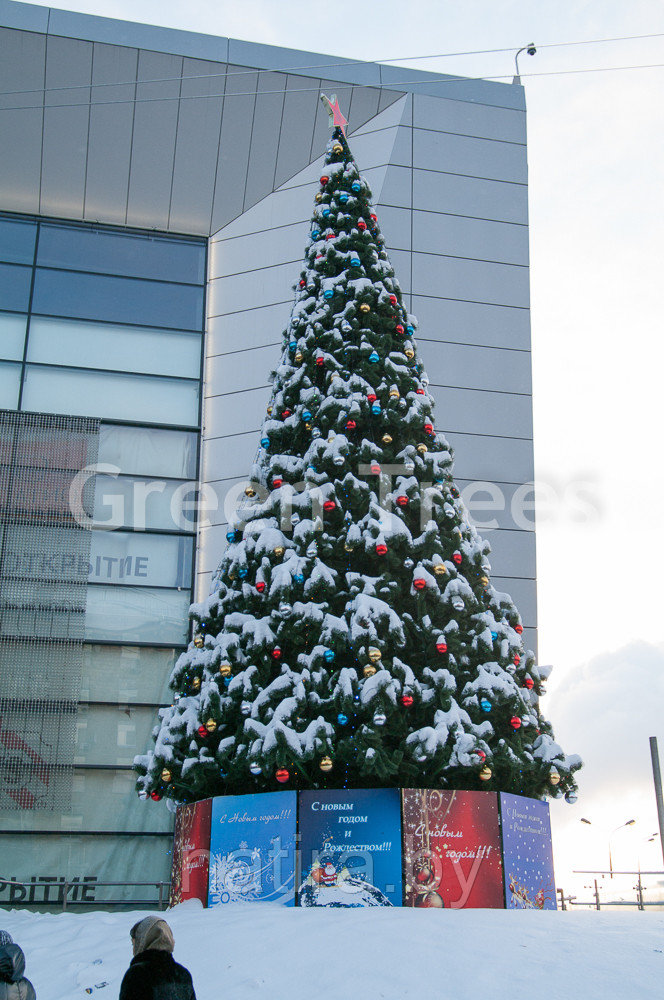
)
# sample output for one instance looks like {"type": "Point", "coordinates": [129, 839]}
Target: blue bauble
{"type": "Point", "coordinates": [485, 705]}
{"type": "Point", "coordinates": [230, 536]}
{"type": "Point", "coordinates": [265, 442]}
{"type": "Point", "coordinates": [373, 357]}
{"type": "Point", "coordinates": [328, 293]}
{"type": "Point", "coordinates": [328, 655]}
{"type": "Point", "coordinates": [342, 719]}
{"type": "Point", "coordinates": [343, 197]}
{"type": "Point", "coordinates": [298, 578]}
{"type": "Point", "coordinates": [494, 636]}
{"type": "Point", "coordinates": [410, 331]}
{"type": "Point", "coordinates": [292, 345]}
{"type": "Point", "coordinates": [326, 212]}
{"type": "Point", "coordinates": [306, 415]}
{"type": "Point", "coordinates": [315, 233]}
{"type": "Point", "coordinates": [355, 262]}
{"type": "Point", "coordinates": [242, 572]}
{"type": "Point", "coordinates": [375, 408]}
{"type": "Point", "coordinates": [356, 187]}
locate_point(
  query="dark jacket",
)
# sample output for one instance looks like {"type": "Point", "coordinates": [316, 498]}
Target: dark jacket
{"type": "Point", "coordinates": [13, 984]}
{"type": "Point", "coordinates": [155, 975]}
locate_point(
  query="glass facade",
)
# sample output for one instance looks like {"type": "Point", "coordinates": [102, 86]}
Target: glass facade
{"type": "Point", "coordinates": [106, 324]}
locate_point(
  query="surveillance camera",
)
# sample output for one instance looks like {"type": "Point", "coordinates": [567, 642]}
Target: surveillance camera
{"type": "Point", "coordinates": [531, 50]}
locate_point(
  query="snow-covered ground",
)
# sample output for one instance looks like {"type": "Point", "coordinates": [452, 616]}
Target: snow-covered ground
{"type": "Point", "coordinates": [248, 952]}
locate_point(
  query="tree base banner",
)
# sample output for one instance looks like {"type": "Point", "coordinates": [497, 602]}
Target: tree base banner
{"type": "Point", "coordinates": [350, 848]}
{"type": "Point", "coordinates": [527, 854]}
{"type": "Point", "coordinates": [452, 849]}
{"type": "Point", "coordinates": [252, 848]}
{"type": "Point", "coordinates": [191, 852]}
{"type": "Point", "coordinates": [424, 848]}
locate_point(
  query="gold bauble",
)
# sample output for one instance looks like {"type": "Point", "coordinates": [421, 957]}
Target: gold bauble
{"type": "Point", "coordinates": [250, 491]}
{"type": "Point", "coordinates": [485, 773]}
{"type": "Point", "coordinates": [337, 148]}
{"type": "Point", "coordinates": [308, 426]}
{"type": "Point", "coordinates": [422, 448]}
{"type": "Point", "coordinates": [298, 356]}
{"type": "Point", "coordinates": [365, 307]}
{"type": "Point", "coordinates": [440, 569]}
{"type": "Point", "coordinates": [409, 352]}
{"type": "Point", "coordinates": [394, 393]}
{"type": "Point", "coordinates": [166, 775]}
{"type": "Point", "coordinates": [196, 683]}
{"type": "Point", "coordinates": [369, 670]}
{"type": "Point", "coordinates": [210, 725]}
{"type": "Point", "coordinates": [326, 764]}
{"type": "Point", "coordinates": [348, 548]}
{"type": "Point", "coordinates": [484, 580]}
{"type": "Point", "coordinates": [278, 551]}
{"type": "Point", "coordinates": [554, 777]}
{"type": "Point", "coordinates": [319, 197]}
{"type": "Point", "coordinates": [374, 654]}
{"type": "Point", "coordinates": [269, 411]}
{"type": "Point", "coordinates": [199, 641]}
{"type": "Point", "coordinates": [387, 439]}
{"type": "Point", "coordinates": [225, 669]}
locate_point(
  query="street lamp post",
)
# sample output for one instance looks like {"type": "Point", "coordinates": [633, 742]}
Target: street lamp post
{"type": "Point", "coordinates": [630, 822]}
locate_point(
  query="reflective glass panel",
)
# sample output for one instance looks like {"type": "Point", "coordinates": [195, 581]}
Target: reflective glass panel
{"type": "Point", "coordinates": [112, 735]}
{"type": "Point", "coordinates": [17, 241]}
{"type": "Point", "coordinates": [137, 614]}
{"type": "Point", "coordinates": [10, 377]}
{"type": "Point", "coordinates": [149, 451]}
{"type": "Point", "coordinates": [139, 559]}
{"type": "Point", "coordinates": [15, 287]}
{"type": "Point", "coordinates": [12, 335]}
{"type": "Point", "coordinates": [125, 501]}
{"type": "Point", "coordinates": [136, 254]}
{"type": "Point", "coordinates": [99, 394]}
{"type": "Point", "coordinates": [120, 348]}
{"type": "Point", "coordinates": [127, 673]}
{"type": "Point", "coordinates": [119, 300]}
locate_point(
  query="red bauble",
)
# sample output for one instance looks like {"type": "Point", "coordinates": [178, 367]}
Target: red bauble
{"type": "Point", "coordinates": [529, 683]}
{"type": "Point", "coordinates": [277, 482]}
{"type": "Point", "coordinates": [375, 469]}
{"type": "Point", "coordinates": [330, 236]}
{"type": "Point", "coordinates": [481, 755]}
{"type": "Point", "coordinates": [329, 505]}
{"type": "Point", "coordinates": [429, 899]}
{"type": "Point", "coordinates": [381, 549]}
{"type": "Point", "coordinates": [457, 558]}
{"type": "Point", "coordinates": [324, 179]}
{"type": "Point", "coordinates": [419, 583]}
{"type": "Point", "coordinates": [285, 414]}
{"type": "Point", "coordinates": [202, 732]}
{"type": "Point", "coordinates": [302, 282]}
{"type": "Point", "coordinates": [406, 700]}
{"type": "Point", "coordinates": [282, 775]}
{"type": "Point", "coordinates": [420, 392]}
{"type": "Point", "coordinates": [515, 722]}
{"type": "Point", "coordinates": [372, 397]}
{"type": "Point", "coordinates": [518, 629]}
{"type": "Point", "coordinates": [155, 795]}
{"type": "Point", "coordinates": [361, 225]}
{"type": "Point", "coordinates": [320, 362]}
{"type": "Point", "coordinates": [402, 500]}
{"type": "Point", "coordinates": [428, 428]}
{"type": "Point", "coordinates": [399, 329]}
{"type": "Point", "coordinates": [350, 425]}
{"type": "Point", "coordinates": [260, 586]}
{"type": "Point", "coordinates": [441, 647]}
{"type": "Point", "coordinates": [374, 218]}
{"type": "Point", "coordinates": [517, 659]}
{"type": "Point", "coordinates": [393, 300]}
{"type": "Point", "coordinates": [276, 653]}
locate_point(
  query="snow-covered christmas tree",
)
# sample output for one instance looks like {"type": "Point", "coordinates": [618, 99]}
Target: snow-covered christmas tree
{"type": "Point", "coordinates": [352, 637]}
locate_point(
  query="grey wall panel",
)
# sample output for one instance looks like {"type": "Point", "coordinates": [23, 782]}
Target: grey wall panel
{"type": "Point", "coordinates": [466, 118]}
{"type": "Point", "coordinates": [64, 154]}
{"type": "Point", "coordinates": [395, 225]}
{"type": "Point", "coordinates": [263, 249]}
{"type": "Point", "coordinates": [484, 199]}
{"type": "Point", "coordinates": [503, 161]}
{"type": "Point", "coordinates": [153, 150]}
{"type": "Point", "coordinates": [202, 585]}
{"type": "Point", "coordinates": [322, 131]}
{"type": "Point", "coordinates": [489, 457]}
{"type": "Point", "coordinates": [24, 15]}
{"type": "Point", "coordinates": [475, 367]}
{"type": "Point", "coordinates": [363, 107]}
{"type": "Point", "coordinates": [397, 187]}
{"type": "Point", "coordinates": [266, 124]}
{"type": "Point", "coordinates": [223, 494]}
{"type": "Point", "coordinates": [389, 97]}
{"type": "Point", "coordinates": [278, 58]}
{"type": "Point", "coordinates": [297, 126]}
{"type": "Point", "coordinates": [197, 146]}
{"type": "Point", "coordinates": [390, 115]}
{"type": "Point", "coordinates": [271, 285]}
{"type": "Point", "coordinates": [461, 278]}
{"type": "Point", "coordinates": [462, 236]}
{"type": "Point", "coordinates": [402, 152]}
{"type": "Point", "coordinates": [479, 91]}
{"type": "Point", "coordinates": [238, 112]}
{"type": "Point", "coordinates": [238, 413]}
{"type": "Point", "coordinates": [512, 552]}
{"type": "Point", "coordinates": [212, 545]}
{"type": "Point", "coordinates": [229, 457]}
{"type": "Point", "coordinates": [247, 329]}
{"type": "Point", "coordinates": [111, 127]}
{"type": "Point", "coordinates": [401, 262]}
{"type": "Point", "coordinates": [523, 594]}
{"type": "Point", "coordinates": [492, 505]}
{"type": "Point", "coordinates": [242, 370]}
{"type": "Point", "coordinates": [477, 412]}
{"type": "Point", "coordinates": [472, 322]}
{"type": "Point", "coordinates": [21, 116]}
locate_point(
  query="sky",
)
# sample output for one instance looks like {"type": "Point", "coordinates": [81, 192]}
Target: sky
{"type": "Point", "coordinates": [595, 154]}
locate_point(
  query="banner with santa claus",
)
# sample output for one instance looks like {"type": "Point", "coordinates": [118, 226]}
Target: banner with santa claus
{"type": "Point", "coordinates": [350, 848]}
{"type": "Point", "coordinates": [527, 853]}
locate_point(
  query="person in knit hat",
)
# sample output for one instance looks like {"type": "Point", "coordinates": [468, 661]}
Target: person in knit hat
{"type": "Point", "coordinates": [153, 974]}
{"type": "Point", "coordinates": [13, 984]}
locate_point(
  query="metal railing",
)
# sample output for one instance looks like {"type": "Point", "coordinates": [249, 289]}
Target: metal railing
{"type": "Point", "coordinates": [639, 901]}
{"type": "Point", "coordinates": [59, 893]}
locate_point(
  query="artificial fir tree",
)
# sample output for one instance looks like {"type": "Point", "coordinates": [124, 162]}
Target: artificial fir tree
{"type": "Point", "coordinates": [352, 637]}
